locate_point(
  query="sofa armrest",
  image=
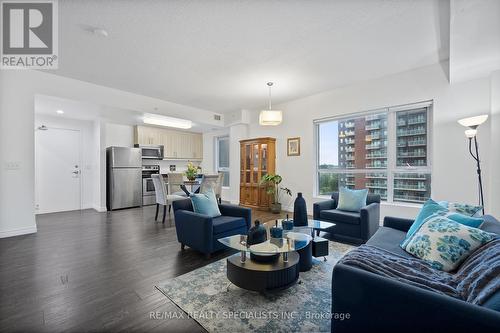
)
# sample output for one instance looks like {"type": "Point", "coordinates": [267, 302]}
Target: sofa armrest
{"type": "Point", "coordinates": [233, 210]}
{"type": "Point", "coordinates": [380, 304]}
{"type": "Point", "coordinates": [398, 223]}
{"type": "Point", "coordinates": [370, 220]}
{"type": "Point", "coordinates": [195, 230]}
{"type": "Point", "coordinates": [323, 205]}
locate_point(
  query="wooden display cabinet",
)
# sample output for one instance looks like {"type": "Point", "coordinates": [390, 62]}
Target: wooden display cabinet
{"type": "Point", "coordinates": [258, 158]}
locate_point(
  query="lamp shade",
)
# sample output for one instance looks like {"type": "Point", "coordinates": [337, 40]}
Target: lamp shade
{"type": "Point", "coordinates": [270, 117]}
{"type": "Point", "coordinates": [470, 133]}
{"type": "Point", "coordinates": [473, 121]}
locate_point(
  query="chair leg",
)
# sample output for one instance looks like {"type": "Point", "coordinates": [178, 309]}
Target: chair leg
{"type": "Point", "coordinates": [220, 201]}
{"type": "Point", "coordinates": [164, 213]}
{"type": "Point", "coordinates": [169, 208]}
{"type": "Point", "coordinates": [157, 209]}
{"type": "Point", "coordinates": [182, 246]}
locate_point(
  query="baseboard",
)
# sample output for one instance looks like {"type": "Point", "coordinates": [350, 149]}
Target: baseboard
{"type": "Point", "coordinates": [99, 208]}
{"type": "Point", "coordinates": [18, 232]}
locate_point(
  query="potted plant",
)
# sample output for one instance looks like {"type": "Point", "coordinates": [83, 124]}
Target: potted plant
{"type": "Point", "coordinates": [273, 188]}
{"type": "Point", "coordinates": [192, 171]}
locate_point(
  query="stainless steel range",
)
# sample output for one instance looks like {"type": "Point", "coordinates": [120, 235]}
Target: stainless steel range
{"type": "Point", "coordinates": [148, 188]}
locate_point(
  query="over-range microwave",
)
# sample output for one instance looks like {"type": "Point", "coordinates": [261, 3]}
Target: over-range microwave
{"type": "Point", "coordinates": [151, 152]}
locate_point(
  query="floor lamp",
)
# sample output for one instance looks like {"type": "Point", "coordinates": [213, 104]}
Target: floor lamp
{"type": "Point", "coordinates": [472, 123]}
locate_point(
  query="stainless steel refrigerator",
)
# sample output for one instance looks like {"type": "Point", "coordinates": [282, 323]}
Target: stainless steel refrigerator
{"type": "Point", "coordinates": [123, 177]}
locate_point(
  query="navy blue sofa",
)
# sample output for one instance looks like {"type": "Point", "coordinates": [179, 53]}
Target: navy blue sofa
{"type": "Point", "coordinates": [380, 304]}
{"type": "Point", "coordinates": [351, 227]}
{"type": "Point", "coordinates": [200, 232]}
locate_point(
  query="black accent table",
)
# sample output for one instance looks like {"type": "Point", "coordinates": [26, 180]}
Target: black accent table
{"type": "Point", "coordinates": [267, 276]}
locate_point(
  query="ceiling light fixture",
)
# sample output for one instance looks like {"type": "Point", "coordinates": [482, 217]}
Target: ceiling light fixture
{"type": "Point", "coordinates": [100, 32]}
{"type": "Point", "coordinates": [60, 112]}
{"type": "Point", "coordinates": [270, 117]}
{"type": "Point", "coordinates": [155, 119]}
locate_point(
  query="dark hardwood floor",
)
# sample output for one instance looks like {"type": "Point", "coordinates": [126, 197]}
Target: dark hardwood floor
{"type": "Point", "coordinates": [89, 271]}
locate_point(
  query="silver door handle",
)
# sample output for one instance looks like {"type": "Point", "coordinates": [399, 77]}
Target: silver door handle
{"type": "Point", "coordinates": [77, 172]}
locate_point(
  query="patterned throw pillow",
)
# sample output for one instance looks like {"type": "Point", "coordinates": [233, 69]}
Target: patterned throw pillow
{"type": "Point", "coordinates": [444, 243]}
{"type": "Point", "coordinates": [464, 209]}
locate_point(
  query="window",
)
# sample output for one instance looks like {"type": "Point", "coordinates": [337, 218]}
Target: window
{"type": "Point", "coordinates": [385, 151]}
{"type": "Point", "coordinates": [222, 158]}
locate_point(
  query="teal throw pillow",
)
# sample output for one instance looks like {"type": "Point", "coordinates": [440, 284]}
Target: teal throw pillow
{"type": "Point", "coordinates": [430, 207]}
{"type": "Point", "coordinates": [205, 203]}
{"type": "Point", "coordinates": [433, 207]}
{"type": "Point", "coordinates": [352, 200]}
{"type": "Point", "coordinates": [444, 243]}
{"type": "Point", "coordinates": [461, 208]}
{"type": "Point", "coordinates": [474, 222]}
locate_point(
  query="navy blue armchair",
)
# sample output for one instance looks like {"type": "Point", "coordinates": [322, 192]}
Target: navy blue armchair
{"type": "Point", "coordinates": [350, 226]}
{"type": "Point", "coordinates": [201, 232]}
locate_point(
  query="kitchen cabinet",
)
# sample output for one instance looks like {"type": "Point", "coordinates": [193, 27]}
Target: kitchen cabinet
{"type": "Point", "coordinates": [177, 144]}
{"type": "Point", "coordinates": [144, 135]}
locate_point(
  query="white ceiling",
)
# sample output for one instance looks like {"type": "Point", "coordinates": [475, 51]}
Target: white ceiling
{"type": "Point", "coordinates": [48, 105]}
{"type": "Point", "coordinates": [218, 55]}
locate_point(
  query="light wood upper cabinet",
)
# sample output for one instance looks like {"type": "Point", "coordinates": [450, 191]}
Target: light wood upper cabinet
{"type": "Point", "coordinates": [177, 144]}
{"type": "Point", "coordinates": [147, 135]}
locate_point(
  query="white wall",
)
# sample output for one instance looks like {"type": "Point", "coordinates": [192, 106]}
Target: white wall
{"type": "Point", "coordinates": [89, 165]}
{"type": "Point", "coordinates": [99, 181]}
{"type": "Point", "coordinates": [17, 209]}
{"type": "Point", "coordinates": [474, 39]}
{"type": "Point", "coordinates": [119, 135]}
{"type": "Point", "coordinates": [17, 93]}
{"type": "Point", "coordinates": [493, 185]}
{"type": "Point", "coordinates": [453, 171]}
{"type": "Point", "coordinates": [237, 132]}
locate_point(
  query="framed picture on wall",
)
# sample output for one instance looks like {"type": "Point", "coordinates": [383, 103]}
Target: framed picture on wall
{"type": "Point", "coordinates": [293, 146]}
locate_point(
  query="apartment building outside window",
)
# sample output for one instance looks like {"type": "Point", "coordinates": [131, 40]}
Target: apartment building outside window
{"type": "Point", "coordinates": [222, 158]}
{"type": "Point", "coordinates": [386, 151]}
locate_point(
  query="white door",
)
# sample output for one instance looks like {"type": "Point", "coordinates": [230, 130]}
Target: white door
{"type": "Point", "coordinates": [57, 170]}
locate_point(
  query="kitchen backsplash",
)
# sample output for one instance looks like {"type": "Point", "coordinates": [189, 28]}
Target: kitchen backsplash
{"type": "Point", "coordinates": [180, 166]}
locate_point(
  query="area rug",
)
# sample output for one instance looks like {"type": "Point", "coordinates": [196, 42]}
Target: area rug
{"type": "Point", "coordinates": [204, 295]}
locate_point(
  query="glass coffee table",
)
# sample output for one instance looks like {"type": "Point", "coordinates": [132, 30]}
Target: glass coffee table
{"type": "Point", "coordinates": [279, 273]}
{"type": "Point", "coordinates": [318, 247]}
{"type": "Point", "coordinates": [312, 225]}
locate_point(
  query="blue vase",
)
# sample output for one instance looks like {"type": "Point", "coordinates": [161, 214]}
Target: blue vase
{"type": "Point", "coordinates": [287, 224]}
{"type": "Point", "coordinates": [299, 211]}
{"type": "Point", "coordinates": [276, 232]}
{"type": "Point", "coordinates": [256, 234]}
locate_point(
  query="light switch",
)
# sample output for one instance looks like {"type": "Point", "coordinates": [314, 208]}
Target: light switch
{"type": "Point", "coordinates": [13, 165]}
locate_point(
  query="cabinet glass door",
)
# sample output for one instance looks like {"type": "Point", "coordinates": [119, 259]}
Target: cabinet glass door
{"type": "Point", "coordinates": [264, 157]}
{"type": "Point", "coordinates": [255, 164]}
{"type": "Point", "coordinates": [248, 155]}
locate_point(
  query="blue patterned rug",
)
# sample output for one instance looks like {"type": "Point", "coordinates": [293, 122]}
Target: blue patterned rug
{"type": "Point", "coordinates": [305, 307]}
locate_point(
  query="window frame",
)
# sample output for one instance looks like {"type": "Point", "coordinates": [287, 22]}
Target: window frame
{"type": "Point", "coordinates": [392, 167]}
{"type": "Point", "coordinates": [216, 159]}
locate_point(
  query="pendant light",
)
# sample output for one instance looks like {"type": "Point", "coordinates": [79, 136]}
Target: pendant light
{"type": "Point", "coordinates": [270, 117]}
